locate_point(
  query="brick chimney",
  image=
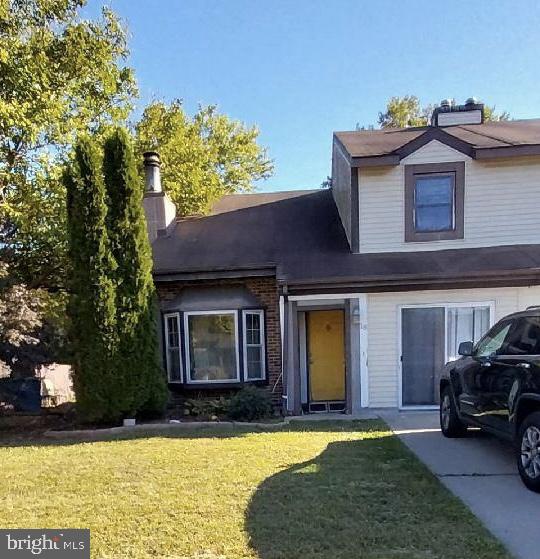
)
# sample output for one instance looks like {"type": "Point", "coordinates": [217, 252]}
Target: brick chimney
{"type": "Point", "coordinates": [159, 209]}
{"type": "Point", "coordinates": [450, 114]}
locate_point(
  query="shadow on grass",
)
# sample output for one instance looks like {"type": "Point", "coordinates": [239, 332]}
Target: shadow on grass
{"type": "Point", "coordinates": [368, 499]}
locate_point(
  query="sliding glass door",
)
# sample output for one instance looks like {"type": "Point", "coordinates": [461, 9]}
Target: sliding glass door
{"type": "Point", "coordinates": [430, 336]}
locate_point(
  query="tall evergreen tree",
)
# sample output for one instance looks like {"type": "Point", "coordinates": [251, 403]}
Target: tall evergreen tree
{"type": "Point", "coordinates": [92, 300]}
{"type": "Point", "coordinates": [140, 379]}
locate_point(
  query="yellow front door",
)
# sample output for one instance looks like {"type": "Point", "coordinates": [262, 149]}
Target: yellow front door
{"type": "Point", "coordinates": [326, 351]}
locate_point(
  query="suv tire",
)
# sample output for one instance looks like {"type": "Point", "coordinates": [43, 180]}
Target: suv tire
{"type": "Point", "coordinates": [451, 425]}
{"type": "Point", "coordinates": [528, 451]}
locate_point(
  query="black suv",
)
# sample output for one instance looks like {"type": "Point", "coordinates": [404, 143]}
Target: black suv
{"type": "Point", "coordinates": [496, 386]}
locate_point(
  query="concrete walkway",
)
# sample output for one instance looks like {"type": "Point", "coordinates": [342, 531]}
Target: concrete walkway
{"type": "Point", "coordinates": [480, 470]}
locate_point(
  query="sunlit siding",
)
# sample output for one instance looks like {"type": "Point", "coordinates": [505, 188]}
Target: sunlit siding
{"type": "Point", "coordinates": [502, 198]}
{"type": "Point", "coordinates": [384, 335]}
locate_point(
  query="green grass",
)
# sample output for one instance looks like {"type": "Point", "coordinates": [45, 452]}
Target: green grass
{"type": "Point", "coordinates": [313, 491]}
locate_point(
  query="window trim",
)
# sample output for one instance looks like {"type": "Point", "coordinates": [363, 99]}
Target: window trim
{"type": "Point", "coordinates": [411, 173]}
{"type": "Point", "coordinates": [166, 317]}
{"type": "Point", "coordinates": [188, 379]}
{"type": "Point", "coordinates": [262, 345]}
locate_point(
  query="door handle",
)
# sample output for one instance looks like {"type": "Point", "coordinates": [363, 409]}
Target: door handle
{"type": "Point", "coordinates": [524, 365]}
{"type": "Point", "coordinates": [486, 364]}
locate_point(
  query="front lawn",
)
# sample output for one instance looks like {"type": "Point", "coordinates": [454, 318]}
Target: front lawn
{"type": "Point", "coordinates": [311, 491]}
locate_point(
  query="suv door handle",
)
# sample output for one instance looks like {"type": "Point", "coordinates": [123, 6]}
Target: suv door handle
{"type": "Point", "coordinates": [486, 364]}
{"type": "Point", "coordinates": [524, 365]}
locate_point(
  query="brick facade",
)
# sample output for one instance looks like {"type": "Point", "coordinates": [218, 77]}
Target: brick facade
{"type": "Point", "coordinates": [266, 290]}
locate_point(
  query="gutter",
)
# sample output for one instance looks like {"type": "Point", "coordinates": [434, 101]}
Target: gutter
{"type": "Point", "coordinates": [410, 282]}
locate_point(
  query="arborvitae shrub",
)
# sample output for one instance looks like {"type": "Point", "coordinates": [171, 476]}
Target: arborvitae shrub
{"type": "Point", "coordinates": [116, 364]}
{"type": "Point", "coordinates": [91, 307]}
{"type": "Point", "coordinates": [138, 364]}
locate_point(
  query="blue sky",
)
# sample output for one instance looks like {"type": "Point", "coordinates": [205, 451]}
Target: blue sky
{"type": "Point", "coordinates": [301, 69]}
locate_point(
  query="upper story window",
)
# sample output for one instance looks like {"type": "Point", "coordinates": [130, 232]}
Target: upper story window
{"type": "Point", "coordinates": [434, 203]}
{"type": "Point", "coordinates": [434, 200]}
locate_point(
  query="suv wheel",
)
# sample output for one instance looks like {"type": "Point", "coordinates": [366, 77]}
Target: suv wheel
{"type": "Point", "coordinates": [451, 425]}
{"type": "Point", "coordinates": [528, 451]}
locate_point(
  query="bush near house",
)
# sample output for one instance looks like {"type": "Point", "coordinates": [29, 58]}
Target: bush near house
{"type": "Point", "coordinates": [249, 404]}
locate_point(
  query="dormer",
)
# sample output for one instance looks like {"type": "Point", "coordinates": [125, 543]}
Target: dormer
{"type": "Point", "coordinates": [458, 183]}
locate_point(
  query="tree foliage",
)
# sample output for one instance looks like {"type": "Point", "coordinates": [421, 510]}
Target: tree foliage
{"type": "Point", "coordinates": [139, 380]}
{"type": "Point", "coordinates": [92, 305]}
{"type": "Point", "coordinates": [112, 305]}
{"type": "Point", "coordinates": [31, 326]}
{"type": "Point", "coordinates": [60, 75]}
{"type": "Point", "coordinates": [204, 156]}
{"type": "Point", "coordinates": [403, 112]}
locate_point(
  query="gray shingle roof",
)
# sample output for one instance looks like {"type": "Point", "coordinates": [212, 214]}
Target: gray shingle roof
{"type": "Point", "coordinates": [372, 143]}
{"type": "Point", "coordinates": [299, 234]}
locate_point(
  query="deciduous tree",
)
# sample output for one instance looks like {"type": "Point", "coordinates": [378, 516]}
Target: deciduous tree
{"type": "Point", "coordinates": [204, 156]}
{"type": "Point", "coordinates": [403, 112]}
{"type": "Point", "coordinates": [60, 75]}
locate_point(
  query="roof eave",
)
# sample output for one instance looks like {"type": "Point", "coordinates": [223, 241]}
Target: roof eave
{"type": "Point", "coordinates": [507, 151]}
{"type": "Point", "coordinates": [408, 282]}
{"type": "Point", "coordinates": [434, 133]}
{"type": "Point", "coordinates": [172, 275]}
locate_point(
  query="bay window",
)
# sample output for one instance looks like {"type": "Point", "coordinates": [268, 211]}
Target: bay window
{"type": "Point", "coordinates": [219, 346]}
{"type": "Point", "coordinates": [172, 347]}
{"type": "Point", "coordinates": [212, 346]}
{"type": "Point", "coordinates": [254, 365]}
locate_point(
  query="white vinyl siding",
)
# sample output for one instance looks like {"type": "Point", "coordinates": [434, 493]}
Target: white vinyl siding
{"type": "Point", "coordinates": [384, 334]}
{"type": "Point", "coordinates": [501, 201]}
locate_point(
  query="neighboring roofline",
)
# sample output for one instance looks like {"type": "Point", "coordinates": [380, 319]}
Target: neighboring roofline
{"type": "Point", "coordinates": [165, 276]}
{"type": "Point", "coordinates": [415, 282]}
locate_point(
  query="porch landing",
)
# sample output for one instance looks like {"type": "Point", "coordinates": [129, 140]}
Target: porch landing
{"type": "Point", "coordinates": [365, 414]}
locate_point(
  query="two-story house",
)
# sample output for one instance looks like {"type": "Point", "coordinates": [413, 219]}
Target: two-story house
{"type": "Point", "coordinates": [354, 296]}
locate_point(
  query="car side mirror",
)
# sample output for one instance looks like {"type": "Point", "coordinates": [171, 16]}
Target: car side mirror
{"type": "Point", "coordinates": [465, 348]}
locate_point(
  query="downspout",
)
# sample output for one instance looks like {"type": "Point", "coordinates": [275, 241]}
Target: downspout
{"type": "Point", "coordinates": [283, 321]}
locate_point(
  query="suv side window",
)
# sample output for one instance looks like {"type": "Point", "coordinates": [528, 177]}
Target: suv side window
{"type": "Point", "coordinates": [494, 341]}
{"type": "Point", "coordinates": [524, 339]}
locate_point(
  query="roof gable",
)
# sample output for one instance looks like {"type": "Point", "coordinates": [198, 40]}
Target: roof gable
{"type": "Point", "coordinates": [434, 150]}
{"type": "Point", "coordinates": [489, 140]}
